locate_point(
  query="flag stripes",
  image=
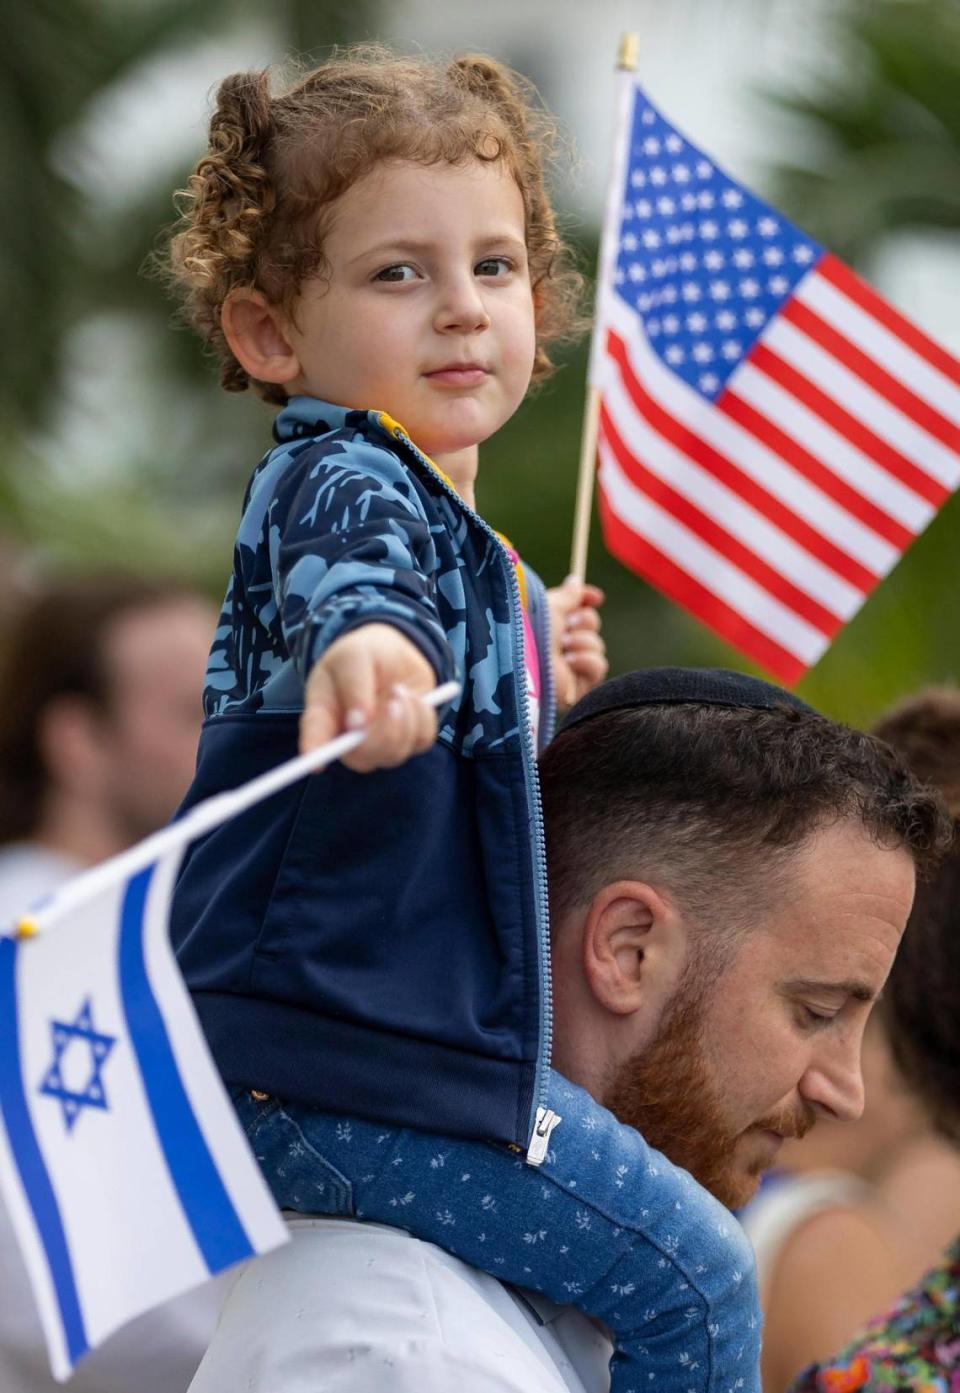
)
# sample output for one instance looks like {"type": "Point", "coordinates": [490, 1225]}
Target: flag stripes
{"type": "Point", "coordinates": [820, 482]}
{"type": "Point", "coordinates": [746, 463]}
{"type": "Point", "coordinates": [53, 1276]}
{"type": "Point", "coordinates": [207, 1208]}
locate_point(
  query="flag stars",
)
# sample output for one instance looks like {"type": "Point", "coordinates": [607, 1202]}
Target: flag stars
{"type": "Point", "coordinates": [643, 208]}
{"type": "Point", "coordinates": [681, 173]}
{"type": "Point", "coordinates": [666, 206]}
{"type": "Point", "coordinates": [702, 353]}
{"type": "Point", "coordinates": [706, 200]}
{"type": "Point", "coordinates": [648, 116]}
{"type": "Point", "coordinates": [743, 258]}
{"type": "Point", "coordinates": [671, 324]}
{"type": "Point", "coordinates": [709, 229]}
{"type": "Point", "coordinates": [688, 262]}
{"type": "Point", "coordinates": [690, 292]}
{"type": "Point", "coordinates": [731, 198]}
{"type": "Point", "coordinates": [658, 175]}
{"type": "Point", "coordinates": [803, 254]}
{"type": "Point", "coordinates": [731, 350]}
{"type": "Point", "coordinates": [720, 290]}
{"type": "Point", "coordinates": [772, 256]}
{"type": "Point", "coordinates": [651, 146]}
{"type": "Point", "coordinates": [749, 288]}
{"type": "Point", "coordinates": [778, 285]}
{"type": "Point", "coordinates": [725, 320]}
{"type": "Point", "coordinates": [638, 179]}
{"type": "Point", "coordinates": [696, 322]}
{"type": "Point", "coordinates": [675, 355]}
{"type": "Point", "coordinates": [629, 242]}
{"type": "Point", "coordinates": [714, 260]}
{"type": "Point", "coordinates": [650, 238]}
{"type": "Point", "coordinates": [708, 382]}
{"type": "Point", "coordinates": [688, 202]}
{"type": "Point", "coordinates": [673, 143]}
{"type": "Point", "coordinates": [705, 169]}
{"type": "Point", "coordinates": [768, 227]}
{"type": "Point", "coordinates": [81, 1034]}
{"type": "Point", "coordinates": [636, 272]}
{"type": "Point", "coordinates": [754, 317]}
{"type": "Point", "coordinates": [737, 228]}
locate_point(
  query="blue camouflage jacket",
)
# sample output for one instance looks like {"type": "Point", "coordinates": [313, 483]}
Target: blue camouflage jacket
{"type": "Point", "coordinates": [373, 944]}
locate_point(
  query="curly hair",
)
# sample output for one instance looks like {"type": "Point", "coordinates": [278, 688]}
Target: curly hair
{"type": "Point", "coordinates": [921, 1001]}
{"type": "Point", "coordinates": [253, 212]}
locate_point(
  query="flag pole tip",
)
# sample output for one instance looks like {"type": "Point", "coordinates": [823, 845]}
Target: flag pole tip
{"type": "Point", "coordinates": [27, 927]}
{"type": "Point", "coordinates": [628, 54]}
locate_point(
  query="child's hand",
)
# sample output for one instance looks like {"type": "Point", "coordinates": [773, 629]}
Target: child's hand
{"type": "Point", "coordinates": [579, 652]}
{"type": "Point", "coordinates": [372, 675]}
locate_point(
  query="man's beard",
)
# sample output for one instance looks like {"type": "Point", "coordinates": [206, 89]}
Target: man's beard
{"type": "Point", "coordinates": [666, 1093]}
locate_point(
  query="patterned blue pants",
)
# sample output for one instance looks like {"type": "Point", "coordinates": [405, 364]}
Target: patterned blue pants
{"type": "Point", "coordinates": [606, 1224]}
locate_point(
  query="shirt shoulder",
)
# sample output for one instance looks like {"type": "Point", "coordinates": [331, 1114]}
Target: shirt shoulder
{"type": "Point", "coordinates": [374, 1307]}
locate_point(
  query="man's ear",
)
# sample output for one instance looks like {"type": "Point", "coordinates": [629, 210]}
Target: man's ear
{"type": "Point", "coordinates": [634, 947]}
{"type": "Point", "coordinates": [256, 333]}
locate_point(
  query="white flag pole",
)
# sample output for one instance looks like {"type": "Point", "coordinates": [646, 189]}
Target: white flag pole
{"type": "Point", "coordinates": [627, 57]}
{"type": "Point", "coordinates": [203, 818]}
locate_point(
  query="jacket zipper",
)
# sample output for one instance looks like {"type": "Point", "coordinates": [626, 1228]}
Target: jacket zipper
{"type": "Point", "coordinates": [542, 1119]}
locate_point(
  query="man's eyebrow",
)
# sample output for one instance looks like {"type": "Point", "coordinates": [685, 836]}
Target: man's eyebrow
{"type": "Point", "coordinates": [802, 986]}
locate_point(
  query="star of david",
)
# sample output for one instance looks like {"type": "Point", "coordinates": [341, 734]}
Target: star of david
{"type": "Point", "coordinates": [77, 1034]}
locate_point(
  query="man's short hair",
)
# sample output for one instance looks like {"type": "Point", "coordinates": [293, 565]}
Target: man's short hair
{"type": "Point", "coordinates": [704, 782]}
{"type": "Point", "coordinates": [55, 648]}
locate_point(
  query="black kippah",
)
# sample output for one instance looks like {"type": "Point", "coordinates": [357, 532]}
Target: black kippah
{"type": "Point", "coordinates": [674, 686]}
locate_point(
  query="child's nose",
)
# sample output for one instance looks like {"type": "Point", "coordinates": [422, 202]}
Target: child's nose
{"type": "Point", "coordinates": [461, 306]}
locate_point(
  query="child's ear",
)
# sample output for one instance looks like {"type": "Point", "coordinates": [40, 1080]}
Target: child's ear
{"type": "Point", "coordinates": [254, 330]}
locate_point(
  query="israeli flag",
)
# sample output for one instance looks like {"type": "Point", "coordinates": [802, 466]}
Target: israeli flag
{"type": "Point", "coordinates": [126, 1173]}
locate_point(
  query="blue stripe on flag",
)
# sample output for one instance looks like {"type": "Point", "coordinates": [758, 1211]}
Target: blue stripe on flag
{"type": "Point", "coordinates": [207, 1207]}
{"type": "Point", "coordinates": [29, 1159]}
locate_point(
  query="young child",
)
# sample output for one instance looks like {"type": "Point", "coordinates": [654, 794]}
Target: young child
{"type": "Point", "coordinates": [369, 951]}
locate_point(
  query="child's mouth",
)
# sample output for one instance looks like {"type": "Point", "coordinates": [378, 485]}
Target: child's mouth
{"type": "Point", "coordinates": [458, 375]}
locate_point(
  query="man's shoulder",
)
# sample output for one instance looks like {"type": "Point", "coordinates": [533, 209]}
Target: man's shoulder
{"type": "Point", "coordinates": [373, 1306]}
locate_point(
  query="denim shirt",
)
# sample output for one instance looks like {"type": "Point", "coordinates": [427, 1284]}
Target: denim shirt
{"type": "Point", "coordinates": [375, 944]}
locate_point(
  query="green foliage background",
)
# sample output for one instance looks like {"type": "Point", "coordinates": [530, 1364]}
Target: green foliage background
{"type": "Point", "coordinates": [889, 142]}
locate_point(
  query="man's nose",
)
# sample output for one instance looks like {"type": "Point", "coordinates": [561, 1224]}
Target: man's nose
{"type": "Point", "coordinates": [460, 305]}
{"type": "Point", "coordinates": [834, 1083]}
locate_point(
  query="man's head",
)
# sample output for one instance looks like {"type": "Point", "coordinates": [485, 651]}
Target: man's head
{"type": "Point", "coordinates": [730, 874]}
{"type": "Point", "coordinates": [100, 692]}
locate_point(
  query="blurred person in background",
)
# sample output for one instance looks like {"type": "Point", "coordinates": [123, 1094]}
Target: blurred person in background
{"type": "Point", "coordinates": [861, 1213]}
{"type": "Point", "coordinates": [100, 687]}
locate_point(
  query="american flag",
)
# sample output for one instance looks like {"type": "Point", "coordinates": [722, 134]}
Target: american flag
{"type": "Point", "coordinates": [773, 435]}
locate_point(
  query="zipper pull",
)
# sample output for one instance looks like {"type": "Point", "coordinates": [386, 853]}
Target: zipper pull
{"type": "Point", "coordinates": [539, 1142]}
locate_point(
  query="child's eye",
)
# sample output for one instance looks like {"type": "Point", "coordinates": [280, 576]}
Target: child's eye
{"type": "Point", "coordinates": [493, 266]}
{"type": "Point", "coordinates": [401, 272]}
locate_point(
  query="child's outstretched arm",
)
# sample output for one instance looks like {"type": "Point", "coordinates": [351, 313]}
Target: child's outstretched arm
{"type": "Point", "coordinates": [372, 675]}
{"type": "Point", "coordinates": [579, 652]}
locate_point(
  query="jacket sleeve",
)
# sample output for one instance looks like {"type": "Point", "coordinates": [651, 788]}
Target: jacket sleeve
{"type": "Point", "coordinates": [346, 542]}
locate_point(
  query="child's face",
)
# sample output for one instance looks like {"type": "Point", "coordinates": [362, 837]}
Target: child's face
{"type": "Point", "coordinates": [428, 312]}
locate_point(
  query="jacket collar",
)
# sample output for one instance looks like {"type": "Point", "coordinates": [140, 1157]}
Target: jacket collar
{"type": "Point", "coordinates": [306, 416]}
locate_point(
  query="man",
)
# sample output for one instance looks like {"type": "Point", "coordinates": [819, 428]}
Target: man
{"type": "Point", "coordinates": [730, 874]}
{"type": "Point", "coordinates": [99, 716]}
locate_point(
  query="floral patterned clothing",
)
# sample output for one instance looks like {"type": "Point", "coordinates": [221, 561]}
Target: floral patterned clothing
{"type": "Point", "coordinates": [915, 1346]}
